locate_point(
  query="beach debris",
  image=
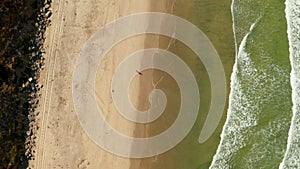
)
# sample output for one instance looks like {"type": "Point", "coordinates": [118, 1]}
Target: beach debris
{"type": "Point", "coordinates": [139, 72]}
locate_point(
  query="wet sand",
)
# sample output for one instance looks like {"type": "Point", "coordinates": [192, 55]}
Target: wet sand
{"type": "Point", "coordinates": [214, 19]}
{"type": "Point", "coordinates": [63, 143]}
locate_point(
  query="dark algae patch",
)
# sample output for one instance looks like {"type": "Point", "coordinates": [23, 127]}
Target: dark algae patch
{"type": "Point", "coordinates": [22, 25]}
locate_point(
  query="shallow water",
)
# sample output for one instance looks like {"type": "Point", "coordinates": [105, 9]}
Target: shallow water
{"type": "Point", "coordinates": [213, 17]}
{"type": "Point", "coordinates": [258, 132]}
{"type": "Point", "coordinates": [260, 104]}
{"type": "Point", "coordinates": [292, 159]}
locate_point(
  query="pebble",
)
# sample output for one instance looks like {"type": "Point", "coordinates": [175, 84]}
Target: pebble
{"type": "Point", "coordinates": [28, 133]}
{"type": "Point", "coordinates": [47, 6]}
{"type": "Point", "coordinates": [31, 118]}
{"type": "Point", "coordinates": [48, 14]}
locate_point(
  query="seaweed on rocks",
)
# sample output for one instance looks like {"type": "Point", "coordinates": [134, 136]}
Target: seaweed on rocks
{"type": "Point", "coordinates": [22, 25]}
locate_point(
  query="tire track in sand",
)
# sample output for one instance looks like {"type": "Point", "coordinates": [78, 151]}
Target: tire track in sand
{"type": "Point", "coordinates": [54, 44]}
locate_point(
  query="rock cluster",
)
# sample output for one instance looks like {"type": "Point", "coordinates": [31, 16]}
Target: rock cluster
{"type": "Point", "coordinates": [22, 24]}
{"type": "Point", "coordinates": [32, 83]}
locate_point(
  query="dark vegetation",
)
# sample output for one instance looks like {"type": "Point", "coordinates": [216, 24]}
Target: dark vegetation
{"type": "Point", "coordinates": [22, 26]}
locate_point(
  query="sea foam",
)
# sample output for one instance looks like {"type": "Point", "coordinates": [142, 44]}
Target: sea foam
{"type": "Point", "coordinates": [258, 116]}
{"type": "Point", "coordinates": [235, 123]}
{"type": "Point", "coordinates": [292, 158]}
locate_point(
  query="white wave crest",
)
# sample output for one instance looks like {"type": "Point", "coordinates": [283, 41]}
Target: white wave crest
{"type": "Point", "coordinates": [292, 158]}
{"type": "Point", "coordinates": [230, 141]}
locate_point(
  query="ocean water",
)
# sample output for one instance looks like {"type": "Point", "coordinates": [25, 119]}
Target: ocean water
{"type": "Point", "coordinates": [292, 155]}
{"type": "Point", "coordinates": [256, 131]}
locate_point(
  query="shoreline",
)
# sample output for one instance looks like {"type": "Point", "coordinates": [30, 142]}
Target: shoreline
{"type": "Point", "coordinates": [290, 158]}
{"type": "Point", "coordinates": [60, 134]}
{"type": "Point", "coordinates": [256, 128]}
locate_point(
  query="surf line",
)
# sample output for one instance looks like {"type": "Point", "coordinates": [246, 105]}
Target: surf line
{"type": "Point", "coordinates": [239, 51]}
{"type": "Point", "coordinates": [294, 51]}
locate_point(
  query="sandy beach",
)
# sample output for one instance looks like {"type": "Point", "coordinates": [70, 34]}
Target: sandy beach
{"type": "Point", "coordinates": [62, 142]}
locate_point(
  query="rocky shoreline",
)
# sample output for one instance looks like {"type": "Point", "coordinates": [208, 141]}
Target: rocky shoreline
{"type": "Point", "coordinates": [23, 24]}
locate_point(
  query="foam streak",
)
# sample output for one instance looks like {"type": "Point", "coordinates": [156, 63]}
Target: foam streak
{"type": "Point", "coordinates": [291, 158]}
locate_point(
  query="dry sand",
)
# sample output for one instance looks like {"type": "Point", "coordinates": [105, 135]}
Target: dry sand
{"type": "Point", "coordinates": [61, 142]}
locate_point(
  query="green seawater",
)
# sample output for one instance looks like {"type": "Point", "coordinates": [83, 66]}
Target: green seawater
{"type": "Point", "coordinates": [251, 39]}
{"type": "Point", "coordinates": [260, 107]}
{"type": "Point", "coordinates": [291, 158]}
{"type": "Point", "coordinates": [212, 17]}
